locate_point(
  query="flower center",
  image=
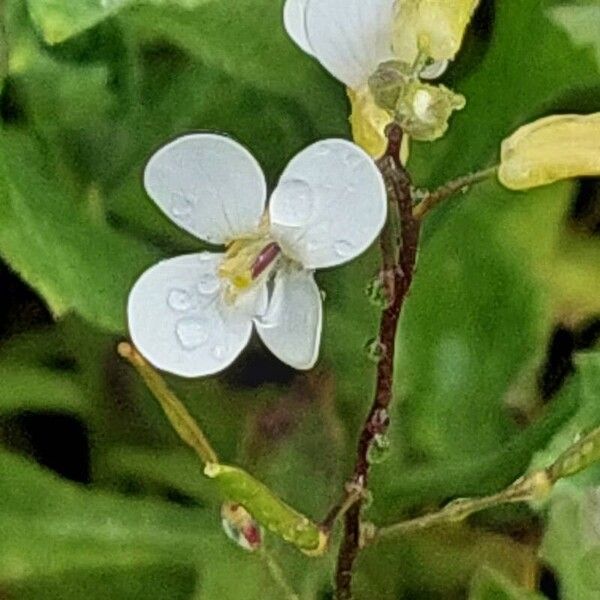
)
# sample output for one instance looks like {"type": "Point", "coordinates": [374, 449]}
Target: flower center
{"type": "Point", "coordinates": [246, 261]}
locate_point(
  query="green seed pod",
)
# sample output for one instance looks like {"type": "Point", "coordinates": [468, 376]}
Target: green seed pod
{"type": "Point", "coordinates": [270, 511]}
{"type": "Point", "coordinates": [578, 457]}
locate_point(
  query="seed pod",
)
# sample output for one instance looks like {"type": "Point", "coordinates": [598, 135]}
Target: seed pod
{"type": "Point", "coordinates": [270, 511]}
{"type": "Point", "coordinates": [577, 457]}
{"type": "Point", "coordinates": [550, 149]}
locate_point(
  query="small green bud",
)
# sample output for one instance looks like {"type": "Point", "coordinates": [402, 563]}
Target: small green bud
{"type": "Point", "coordinates": [423, 110]}
{"type": "Point", "coordinates": [386, 83]}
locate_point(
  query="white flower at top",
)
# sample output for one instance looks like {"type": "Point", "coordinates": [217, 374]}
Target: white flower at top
{"type": "Point", "coordinates": [192, 315]}
{"type": "Point", "coordinates": [352, 39]}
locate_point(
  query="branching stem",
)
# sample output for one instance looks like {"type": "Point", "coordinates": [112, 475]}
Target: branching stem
{"type": "Point", "coordinates": [402, 265]}
{"type": "Point", "coordinates": [449, 189]}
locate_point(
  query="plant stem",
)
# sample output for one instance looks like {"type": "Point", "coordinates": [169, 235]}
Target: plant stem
{"type": "Point", "coordinates": [180, 419]}
{"type": "Point", "coordinates": [377, 422]}
{"type": "Point", "coordinates": [532, 487]}
{"type": "Point", "coordinates": [449, 189]}
{"type": "Point", "coordinates": [537, 485]}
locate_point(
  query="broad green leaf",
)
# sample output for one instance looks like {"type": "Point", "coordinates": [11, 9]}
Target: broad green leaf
{"type": "Point", "coordinates": [488, 584]}
{"type": "Point", "coordinates": [25, 388]}
{"type": "Point", "coordinates": [246, 40]}
{"type": "Point", "coordinates": [49, 239]}
{"type": "Point", "coordinates": [439, 564]}
{"type": "Point", "coordinates": [163, 580]}
{"type": "Point", "coordinates": [581, 22]}
{"type": "Point", "coordinates": [59, 20]}
{"type": "Point", "coordinates": [56, 533]}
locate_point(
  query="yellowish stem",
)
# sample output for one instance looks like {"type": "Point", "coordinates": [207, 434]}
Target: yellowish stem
{"type": "Point", "coordinates": [182, 421]}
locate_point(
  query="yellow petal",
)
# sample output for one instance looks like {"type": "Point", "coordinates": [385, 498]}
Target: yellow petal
{"type": "Point", "coordinates": [433, 27]}
{"type": "Point", "coordinates": [550, 149]}
{"type": "Point", "coordinates": [368, 122]}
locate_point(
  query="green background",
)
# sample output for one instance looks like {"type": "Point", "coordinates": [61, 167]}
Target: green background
{"type": "Point", "coordinates": [498, 366]}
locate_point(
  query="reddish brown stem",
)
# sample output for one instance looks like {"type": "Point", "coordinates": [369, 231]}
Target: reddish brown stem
{"type": "Point", "coordinates": [377, 422]}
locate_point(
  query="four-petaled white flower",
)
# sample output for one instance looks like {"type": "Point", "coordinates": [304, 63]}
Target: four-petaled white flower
{"type": "Point", "coordinates": [193, 315]}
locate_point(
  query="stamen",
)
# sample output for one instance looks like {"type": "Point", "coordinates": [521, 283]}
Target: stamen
{"type": "Point", "coordinates": [266, 257]}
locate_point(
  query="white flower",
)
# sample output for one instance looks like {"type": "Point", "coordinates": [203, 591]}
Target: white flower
{"type": "Point", "coordinates": [355, 39]}
{"type": "Point", "coordinates": [351, 38]}
{"type": "Point", "coordinates": [193, 315]}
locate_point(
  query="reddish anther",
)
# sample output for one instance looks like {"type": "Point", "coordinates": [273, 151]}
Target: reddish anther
{"type": "Point", "coordinates": [268, 254]}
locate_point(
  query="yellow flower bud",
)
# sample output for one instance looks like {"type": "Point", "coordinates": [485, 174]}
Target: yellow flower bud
{"type": "Point", "coordinates": [368, 122]}
{"type": "Point", "coordinates": [431, 27]}
{"type": "Point", "coordinates": [550, 149]}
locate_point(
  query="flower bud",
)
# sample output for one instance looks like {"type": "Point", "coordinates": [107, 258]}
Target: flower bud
{"type": "Point", "coordinates": [240, 527]}
{"type": "Point", "coordinates": [368, 122]}
{"type": "Point", "coordinates": [423, 110]}
{"type": "Point", "coordinates": [434, 28]}
{"type": "Point", "coordinates": [550, 149]}
{"type": "Point", "coordinates": [385, 84]}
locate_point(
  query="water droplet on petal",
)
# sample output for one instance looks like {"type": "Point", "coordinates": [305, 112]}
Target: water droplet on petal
{"type": "Point", "coordinates": [343, 248]}
{"type": "Point", "coordinates": [292, 203]}
{"type": "Point", "coordinates": [208, 284]}
{"type": "Point", "coordinates": [181, 206]}
{"type": "Point", "coordinates": [180, 300]}
{"type": "Point", "coordinates": [191, 333]}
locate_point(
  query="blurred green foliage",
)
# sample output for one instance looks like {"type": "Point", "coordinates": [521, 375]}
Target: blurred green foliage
{"type": "Point", "coordinates": [89, 90]}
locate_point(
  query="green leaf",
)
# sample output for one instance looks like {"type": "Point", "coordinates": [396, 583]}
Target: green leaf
{"type": "Point", "coordinates": [49, 239]}
{"type": "Point", "coordinates": [58, 20]}
{"type": "Point", "coordinates": [246, 40]}
{"type": "Point", "coordinates": [27, 388]}
{"type": "Point", "coordinates": [582, 388]}
{"type": "Point", "coordinates": [439, 563]}
{"type": "Point", "coordinates": [488, 584]}
{"type": "Point", "coordinates": [571, 542]}
{"type": "Point", "coordinates": [582, 23]}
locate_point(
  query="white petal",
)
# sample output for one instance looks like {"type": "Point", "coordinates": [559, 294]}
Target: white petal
{"type": "Point", "coordinates": [329, 206]}
{"type": "Point", "coordinates": [291, 327]}
{"type": "Point", "coordinates": [294, 22]}
{"type": "Point", "coordinates": [350, 38]}
{"type": "Point", "coordinates": [209, 185]}
{"type": "Point", "coordinates": [179, 322]}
